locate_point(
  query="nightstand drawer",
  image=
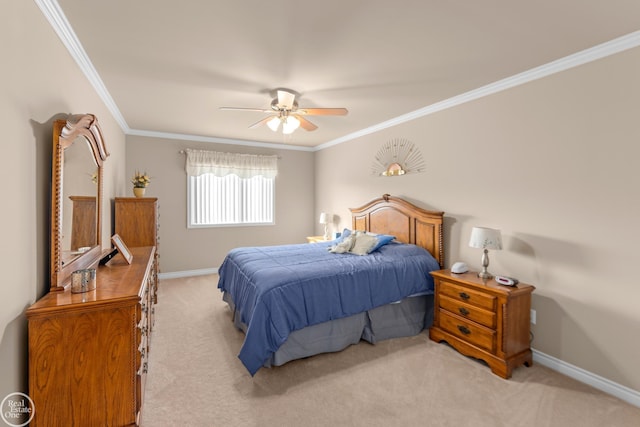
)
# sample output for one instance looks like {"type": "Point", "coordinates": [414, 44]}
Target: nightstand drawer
{"type": "Point", "coordinates": [484, 317]}
{"type": "Point", "coordinates": [467, 295]}
{"type": "Point", "coordinates": [468, 331]}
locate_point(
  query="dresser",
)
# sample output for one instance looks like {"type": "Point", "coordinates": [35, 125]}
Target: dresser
{"type": "Point", "coordinates": [88, 351]}
{"type": "Point", "coordinates": [137, 222]}
{"type": "Point", "coordinates": [483, 319]}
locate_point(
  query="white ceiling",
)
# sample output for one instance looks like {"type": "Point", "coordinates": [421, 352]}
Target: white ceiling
{"type": "Point", "coordinates": [168, 66]}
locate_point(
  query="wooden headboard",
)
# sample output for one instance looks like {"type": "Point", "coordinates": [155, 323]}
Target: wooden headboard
{"type": "Point", "coordinates": [409, 223]}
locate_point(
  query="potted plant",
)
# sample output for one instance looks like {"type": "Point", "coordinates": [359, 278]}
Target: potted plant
{"type": "Point", "coordinates": [140, 182]}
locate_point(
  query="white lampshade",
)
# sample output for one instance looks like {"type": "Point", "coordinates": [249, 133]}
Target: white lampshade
{"type": "Point", "coordinates": [324, 219]}
{"type": "Point", "coordinates": [274, 123]}
{"type": "Point", "coordinates": [290, 124]}
{"type": "Point", "coordinates": [485, 238]}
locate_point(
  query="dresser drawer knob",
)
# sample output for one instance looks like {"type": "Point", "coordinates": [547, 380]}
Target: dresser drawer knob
{"type": "Point", "coordinates": [463, 311]}
{"type": "Point", "coordinates": [464, 329]}
{"type": "Point", "coordinates": [464, 295]}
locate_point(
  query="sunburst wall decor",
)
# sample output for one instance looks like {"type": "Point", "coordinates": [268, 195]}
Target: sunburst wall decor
{"type": "Point", "coordinates": [397, 157]}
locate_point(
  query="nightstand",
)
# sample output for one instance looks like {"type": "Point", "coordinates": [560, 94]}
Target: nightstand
{"type": "Point", "coordinates": [483, 319]}
{"type": "Point", "coordinates": [316, 239]}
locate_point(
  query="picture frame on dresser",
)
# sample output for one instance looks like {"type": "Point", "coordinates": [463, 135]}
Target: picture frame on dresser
{"type": "Point", "coordinates": [122, 248]}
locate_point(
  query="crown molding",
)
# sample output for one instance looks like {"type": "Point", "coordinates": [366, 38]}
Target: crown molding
{"type": "Point", "coordinates": [52, 11]}
{"type": "Point", "coordinates": [211, 139]}
{"type": "Point", "coordinates": [594, 53]}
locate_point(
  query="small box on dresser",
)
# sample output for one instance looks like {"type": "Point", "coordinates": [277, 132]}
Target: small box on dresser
{"type": "Point", "coordinates": [483, 319]}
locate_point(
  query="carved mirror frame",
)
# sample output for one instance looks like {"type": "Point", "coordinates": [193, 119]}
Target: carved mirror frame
{"type": "Point", "coordinates": [65, 134]}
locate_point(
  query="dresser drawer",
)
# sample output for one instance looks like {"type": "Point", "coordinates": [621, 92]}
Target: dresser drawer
{"type": "Point", "coordinates": [467, 295]}
{"type": "Point", "coordinates": [468, 331]}
{"type": "Point", "coordinates": [482, 316]}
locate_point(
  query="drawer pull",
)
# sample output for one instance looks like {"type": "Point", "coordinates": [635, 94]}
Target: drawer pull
{"type": "Point", "coordinates": [464, 329]}
{"type": "Point", "coordinates": [464, 296]}
{"type": "Point", "coordinates": [463, 311]}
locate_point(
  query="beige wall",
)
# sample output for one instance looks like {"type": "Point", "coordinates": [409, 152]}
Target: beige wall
{"type": "Point", "coordinates": [39, 82]}
{"type": "Point", "coordinates": [554, 165]}
{"type": "Point", "coordinates": [566, 200]}
{"type": "Point", "coordinates": [183, 249]}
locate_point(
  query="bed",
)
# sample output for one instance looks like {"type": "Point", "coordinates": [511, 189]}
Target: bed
{"type": "Point", "coordinates": [295, 301]}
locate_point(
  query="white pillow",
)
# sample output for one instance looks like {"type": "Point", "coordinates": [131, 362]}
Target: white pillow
{"type": "Point", "coordinates": [345, 245]}
{"type": "Point", "coordinates": [364, 244]}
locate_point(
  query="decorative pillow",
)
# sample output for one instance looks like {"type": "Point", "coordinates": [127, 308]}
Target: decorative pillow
{"type": "Point", "coordinates": [382, 239]}
{"type": "Point", "coordinates": [364, 243]}
{"type": "Point", "coordinates": [345, 245]}
{"type": "Point", "coordinates": [345, 233]}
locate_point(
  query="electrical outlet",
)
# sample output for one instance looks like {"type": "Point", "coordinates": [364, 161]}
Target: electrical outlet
{"type": "Point", "coordinates": [533, 317]}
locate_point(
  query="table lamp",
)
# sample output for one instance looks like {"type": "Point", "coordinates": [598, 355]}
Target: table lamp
{"type": "Point", "coordinates": [485, 238]}
{"type": "Point", "coordinates": [324, 220]}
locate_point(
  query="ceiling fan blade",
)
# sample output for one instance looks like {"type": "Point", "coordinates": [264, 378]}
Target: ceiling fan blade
{"type": "Point", "coordinates": [322, 111]}
{"type": "Point", "coordinates": [261, 110]}
{"type": "Point", "coordinates": [305, 124]}
{"type": "Point", "coordinates": [262, 122]}
{"type": "Point", "coordinates": [286, 99]}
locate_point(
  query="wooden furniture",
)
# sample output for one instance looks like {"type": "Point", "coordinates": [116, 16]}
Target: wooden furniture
{"type": "Point", "coordinates": [83, 231]}
{"type": "Point", "coordinates": [384, 215]}
{"type": "Point", "coordinates": [137, 223]}
{"type": "Point", "coordinates": [78, 147]}
{"type": "Point", "coordinates": [398, 217]}
{"type": "Point", "coordinates": [315, 239]}
{"type": "Point", "coordinates": [88, 352]}
{"type": "Point", "coordinates": [483, 319]}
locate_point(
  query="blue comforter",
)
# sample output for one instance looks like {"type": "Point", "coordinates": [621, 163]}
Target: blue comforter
{"type": "Point", "coordinates": [280, 289]}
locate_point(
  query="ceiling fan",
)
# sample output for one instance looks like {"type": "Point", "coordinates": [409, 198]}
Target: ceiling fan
{"type": "Point", "coordinates": [284, 110]}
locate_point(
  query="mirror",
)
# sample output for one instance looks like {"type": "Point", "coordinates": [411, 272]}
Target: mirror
{"type": "Point", "coordinates": [76, 197]}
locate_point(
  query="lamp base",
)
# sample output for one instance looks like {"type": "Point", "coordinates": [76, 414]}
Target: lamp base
{"type": "Point", "coordinates": [485, 275]}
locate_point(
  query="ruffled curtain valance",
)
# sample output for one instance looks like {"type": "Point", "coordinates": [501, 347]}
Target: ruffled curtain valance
{"type": "Point", "coordinates": [221, 164]}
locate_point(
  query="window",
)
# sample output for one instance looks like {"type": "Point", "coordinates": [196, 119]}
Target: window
{"type": "Point", "coordinates": [229, 189]}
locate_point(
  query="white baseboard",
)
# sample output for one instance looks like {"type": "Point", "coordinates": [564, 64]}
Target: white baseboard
{"type": "Point", "coordinates": [187, 273]}
{"type": "Point", "coordinates": [621, 392]}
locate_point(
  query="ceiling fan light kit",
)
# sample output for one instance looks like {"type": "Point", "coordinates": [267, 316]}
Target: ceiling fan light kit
{"type": "Point", "coordinates": [274, 123]}
{"type": "Point", "coordinates": [289, 124]}
{"type": "Point", "coordinates": [284, 110]}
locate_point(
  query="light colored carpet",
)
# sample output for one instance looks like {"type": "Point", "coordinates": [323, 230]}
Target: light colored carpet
{"type": "Point", "coordinates": [196, 379]}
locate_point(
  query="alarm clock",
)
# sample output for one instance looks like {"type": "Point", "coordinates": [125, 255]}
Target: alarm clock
{"type": "Point", "coordinates": [507, 281]}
